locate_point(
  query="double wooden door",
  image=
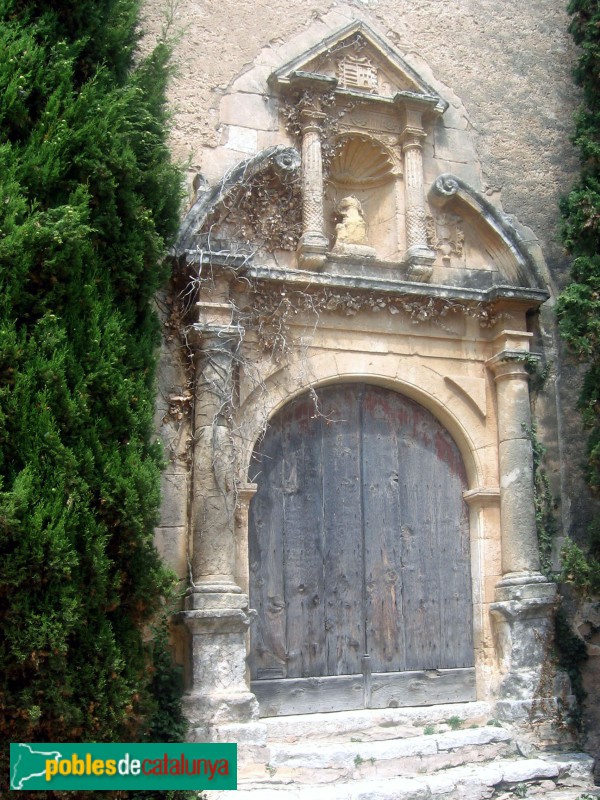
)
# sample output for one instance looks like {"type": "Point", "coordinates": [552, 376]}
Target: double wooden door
{"type": "Point", "coordinates": [359, 557]}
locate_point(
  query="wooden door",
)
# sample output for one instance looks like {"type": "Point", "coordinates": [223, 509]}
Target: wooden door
{"type": "Point", "coordinates": [359, 557]}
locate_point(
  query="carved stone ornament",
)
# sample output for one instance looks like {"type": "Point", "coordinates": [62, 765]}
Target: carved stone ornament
{"type": "Point", "coordinates": [356, 72]}
{"type": "Point", "coordinates": [445, 235]}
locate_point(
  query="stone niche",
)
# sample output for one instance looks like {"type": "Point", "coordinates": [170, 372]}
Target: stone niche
{"type": "Point", "coordinates": [342, 253]}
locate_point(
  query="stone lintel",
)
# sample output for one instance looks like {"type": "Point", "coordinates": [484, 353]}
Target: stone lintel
{"type": "Point", "coordinates": [528, 298]}
{"type": "Point", "coordinates": [232, 259]}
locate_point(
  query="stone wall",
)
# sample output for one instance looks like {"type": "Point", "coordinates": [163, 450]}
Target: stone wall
{"type": "Point", "coordinates": [506, 67]}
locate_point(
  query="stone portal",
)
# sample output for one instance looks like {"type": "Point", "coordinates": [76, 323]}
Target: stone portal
{"type": "Point", "coordinates": [361, 323]}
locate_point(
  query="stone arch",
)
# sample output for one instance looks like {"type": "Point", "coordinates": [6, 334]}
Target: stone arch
{"type": "Point", "coordinates": [415, 380]}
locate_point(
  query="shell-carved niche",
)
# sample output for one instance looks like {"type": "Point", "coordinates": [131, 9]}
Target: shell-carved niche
{"type": "Point", "coordinates": [362, 168]}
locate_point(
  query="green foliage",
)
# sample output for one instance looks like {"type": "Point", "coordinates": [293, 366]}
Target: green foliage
{"type": "Point", "coordinates": [572, 652]}
{"type": "Point", "coordinates": [579, 305]}
{"type": "Point", "coordinates": [580, 569]}
{"type": "Point", "coordinates": [454, 723]}
{"type": "Point", "coordinates": [166, 723]}
{"type": "Point", "coordinates": [88, 203]}
{"type": "Point", "coordinates": [545, 504]}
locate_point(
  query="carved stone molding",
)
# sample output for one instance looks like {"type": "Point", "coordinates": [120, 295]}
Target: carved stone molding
{"type": "Point", "coordinates": [445, 235]}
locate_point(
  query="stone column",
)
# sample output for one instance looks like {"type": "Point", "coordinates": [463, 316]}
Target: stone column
{"type": "Point", "coordinates": [217, 614]}
{"type": "Point", "coordinates": [313, 243]}
{"type": "Point", "coordinates": [419, 256]}
{"type": "Point", "coordinates": [522, 613]}
{"type": "Point", "coordinates": [520, 554]}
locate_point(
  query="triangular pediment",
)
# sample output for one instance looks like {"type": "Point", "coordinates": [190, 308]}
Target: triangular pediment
{"type": "Point", "coordinates": [356, 59]}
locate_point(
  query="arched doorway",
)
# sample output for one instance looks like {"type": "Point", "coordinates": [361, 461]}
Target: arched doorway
{"type": "Point", "coordinates": [359, 556]}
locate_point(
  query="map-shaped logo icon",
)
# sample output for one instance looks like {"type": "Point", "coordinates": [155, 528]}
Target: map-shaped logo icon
{"type": "Point", "coordinates": [27, 764]}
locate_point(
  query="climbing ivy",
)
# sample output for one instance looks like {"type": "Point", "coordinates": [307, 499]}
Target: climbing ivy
{"type": "Point", "coordinates": [88, 203]}
{"type": "Point", "coordinates": [545, 503]}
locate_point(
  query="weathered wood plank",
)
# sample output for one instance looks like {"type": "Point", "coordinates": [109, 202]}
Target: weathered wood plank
{"type": "Point", "coordinates": [383, 545]}
{"type": "Point", "coordinates": [268, 656]}
{"type": "Point", "coordinates": [303, 564]}
{"type": "Point", "coordinates": [344, 618]}
{"type": "Point", "coordinates": [345, 692]}
{"type": "Point", "coordinates": [421, 688]}
{"type": "Point", "coordinates": [455, 560]}
{"type": "Point", "coordinates": [309, 695]}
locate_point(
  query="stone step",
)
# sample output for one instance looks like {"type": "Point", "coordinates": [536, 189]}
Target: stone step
{"type": "Point", "coordinates": [562, 776]}
{"type": "Point", "coordinates": [375, 724]}
{"type": "Point", "coordinates": [329, 762]}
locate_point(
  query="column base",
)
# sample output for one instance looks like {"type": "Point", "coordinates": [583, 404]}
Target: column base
{"type": "Point", "coordinates": [312, 251]}
{"type": "Point", "coordinates": [219, 695]}
{"type": "Point", "coordinates": [419, 260]}
{"type": "Point", "coordinates": [523, 617]}
{"type": "Point", "coordinates": [206, 711]}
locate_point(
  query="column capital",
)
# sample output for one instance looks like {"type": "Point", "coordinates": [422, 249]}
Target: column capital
{"type": "Point", "coordinates": [205, 335]}
{"type": "Point", "coordinates": [511, 364]}
{"type": "Point", "coordinates": [245, 493]}
{"type": "Point", "coordinates": [411, 138]}
{"type": "Point", "coordinates": [311, 119]}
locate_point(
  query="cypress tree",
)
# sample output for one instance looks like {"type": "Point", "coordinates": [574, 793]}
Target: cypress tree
{"type": "Point", "coordinates": [579, 304]}
{"type": "Point", "coordinates": [88, 202]}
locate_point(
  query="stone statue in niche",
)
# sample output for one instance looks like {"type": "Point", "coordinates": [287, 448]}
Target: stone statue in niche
{"type": "Point", "coordinates": [351, 230]}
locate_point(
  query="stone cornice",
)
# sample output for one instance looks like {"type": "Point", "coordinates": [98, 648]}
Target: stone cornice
{"type": "Point", "coordinates": [530, 298]}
